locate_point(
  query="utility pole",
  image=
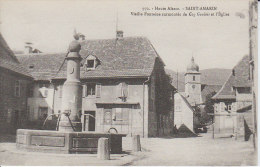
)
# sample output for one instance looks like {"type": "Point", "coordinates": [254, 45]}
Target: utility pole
{"type": "Point", "coordinates": [177, 79]}
{"type": "Point", "coordinates": [253, 5]}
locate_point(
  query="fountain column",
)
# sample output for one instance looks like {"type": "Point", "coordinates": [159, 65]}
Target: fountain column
{"type": "Point", "coordinates": [72, 90]}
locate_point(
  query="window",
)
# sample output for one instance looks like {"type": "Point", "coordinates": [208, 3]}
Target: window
{"type": "Point", "coordinates": [229, 107]}
{"type": "Point", "coordinates": [244, 90]}
{"type": "Point", "coordinates": [17, 89]}
{"type": "Point", "coordinates": [193, 78]}
{"type": "Point", "coordinates": [91, 89]}
{"type": "Point", "coordinates": [120, 115]}
{"type": "Point", "coordinates": [90, 63]}
{"type": "Point", "coordinates": [108, 116]}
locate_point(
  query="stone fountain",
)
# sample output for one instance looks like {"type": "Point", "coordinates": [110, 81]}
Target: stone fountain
{"type": "Point", "coordinates": [68, 138]}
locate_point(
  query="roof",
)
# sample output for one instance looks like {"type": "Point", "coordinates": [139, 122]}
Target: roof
{"type": "Point", "coordinates": [186, 101]}
{"type": "Point", "coordinates": [245, 109]}
{"type": "Point", "coordinates": [9, 61]}
{"type": "Point", "coordinates": [193, 67]}
{"type": "Point", "coordinates": [126, 57]}
{"type": "Point", "coordinates": [239, 77]}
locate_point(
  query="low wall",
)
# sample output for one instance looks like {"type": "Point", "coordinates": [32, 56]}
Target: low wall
{"type": "Point", "coordinates": [65, 142]}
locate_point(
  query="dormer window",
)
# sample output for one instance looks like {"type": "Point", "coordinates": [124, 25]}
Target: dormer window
{"type": "Point", "coordinates": [91, 62]}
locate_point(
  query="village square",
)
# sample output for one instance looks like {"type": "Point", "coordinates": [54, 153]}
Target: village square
{"type": "Point", "coordinates": [115, 101]}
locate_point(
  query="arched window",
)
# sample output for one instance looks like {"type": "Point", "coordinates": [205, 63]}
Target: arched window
{"type": "Point", "coordinates": [193, 78]}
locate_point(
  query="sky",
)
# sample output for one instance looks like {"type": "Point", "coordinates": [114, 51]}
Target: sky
{"type": "Point", "coordinates": [215, 42]}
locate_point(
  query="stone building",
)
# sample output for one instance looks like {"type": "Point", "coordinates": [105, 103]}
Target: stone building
{"type": "Point", "coordinates": [235, 95]}
{"type": "Point", "coordinates": [14, 84]}
{"type": "Point", "coordinates": [124, 86]}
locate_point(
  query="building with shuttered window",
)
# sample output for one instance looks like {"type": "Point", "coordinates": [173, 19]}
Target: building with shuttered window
{"type": "Point", "coordinates": [124, 83]}
{"type": "Point", "coordinates": [234, 98]}
{"type": "Point", "coordinates": [14, 83]}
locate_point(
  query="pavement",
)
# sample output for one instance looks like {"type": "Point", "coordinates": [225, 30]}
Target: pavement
{"type": "Point", "coordinates": [155, 151]}
{"type": "Point", "coordinates": [197, 151]}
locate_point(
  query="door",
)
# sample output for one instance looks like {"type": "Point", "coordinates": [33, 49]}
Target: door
{"type": "Point", "coordinates": [15, 121]}
{"type": "Point", "coordinates": [89, 120]}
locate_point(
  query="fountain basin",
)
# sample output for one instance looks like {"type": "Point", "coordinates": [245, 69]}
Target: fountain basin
{"type": "Point", "coordinates": [65, 142]}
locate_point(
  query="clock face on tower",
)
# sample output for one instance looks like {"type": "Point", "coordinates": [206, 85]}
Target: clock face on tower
{"type": "Point", "coordinates": [193, 86]}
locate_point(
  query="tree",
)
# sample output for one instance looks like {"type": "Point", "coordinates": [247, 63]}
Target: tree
{"type": "Point", "coordinates": [209, 108]}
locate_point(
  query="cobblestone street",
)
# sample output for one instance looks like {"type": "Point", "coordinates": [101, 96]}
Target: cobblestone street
{"type": "Point", "coordinates": [156, 151]}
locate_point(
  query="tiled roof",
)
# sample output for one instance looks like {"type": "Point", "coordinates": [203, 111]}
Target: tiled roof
{"type": "Point", "coordinates": [9, 61]}
{"type": "Point", "coordinates": [128, 57]}
{"type": "Point", "coordinates": [239, 77]}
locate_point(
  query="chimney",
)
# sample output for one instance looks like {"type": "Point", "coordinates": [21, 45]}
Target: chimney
{"type": "Point", "coordinates": [119, 34]}
{"type": "Point", "coordinates": [28, 48]}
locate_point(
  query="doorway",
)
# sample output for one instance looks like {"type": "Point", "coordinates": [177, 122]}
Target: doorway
{"type": "Point", "coordinates": [15, 120]}
{"type": "Point", "coordinates": [89, 120]}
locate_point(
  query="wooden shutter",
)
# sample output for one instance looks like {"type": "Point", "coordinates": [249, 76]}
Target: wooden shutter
{"type": "Point", "coordinates": [60, 91]}
{"type": "Point", "coordinates": [119, 90]}
{"type": "Point", "coordinates": [125, 115]}
{"type": "Point", "coordinates": [98, 90]}
{"type": "Point", "coordinates": [124, 89]}
{"type": "Point", "coordinates": [84, 91]}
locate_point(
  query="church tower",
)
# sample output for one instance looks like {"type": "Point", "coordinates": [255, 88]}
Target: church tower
{"type": "Point", "coordinates": [193, 83]}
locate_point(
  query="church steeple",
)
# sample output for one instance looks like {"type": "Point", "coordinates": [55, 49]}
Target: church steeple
{"type": "Point", "coordinates": [193, 83]}
{"type": "Point", "coordinates": [192, 66]}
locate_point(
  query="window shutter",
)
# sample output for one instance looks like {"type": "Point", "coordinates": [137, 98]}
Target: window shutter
{"type": "Point", "coordinates": [98, 91]}
{"type": "Point", "coordinates": [84, 91]}
{"type": "Point", "coordinates": [222, 106]}
{"type": "Point", "coordinates": [119, 90]}
{"type": "Point", "coordinates": [60, 91]}
{"type": "Point", "coordinates": [124, 89]}
{"type": "Point", "coordinates": [125, 115]}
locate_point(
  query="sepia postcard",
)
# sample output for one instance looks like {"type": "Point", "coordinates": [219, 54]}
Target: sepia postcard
{"type": "Point", "coordinates": [128, 83]}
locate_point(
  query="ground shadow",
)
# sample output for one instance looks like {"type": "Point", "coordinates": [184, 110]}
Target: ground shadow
{"type": "Point", "coordinates": [7, 138]}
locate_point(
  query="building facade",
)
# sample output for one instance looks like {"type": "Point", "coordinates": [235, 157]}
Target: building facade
{"type": "Point", "coordinates": [234, 95]}
{"type": "Point", "coordinates": [14, 84]}
{"type": "Point", "coordinates": [124, 84]}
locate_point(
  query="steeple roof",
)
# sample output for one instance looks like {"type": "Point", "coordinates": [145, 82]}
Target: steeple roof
{"type": "Point", "coordinates": [192, 67]}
